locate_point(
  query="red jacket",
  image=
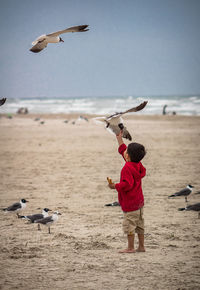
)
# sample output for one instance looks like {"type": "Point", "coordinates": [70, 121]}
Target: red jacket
{"type": "Point", "coordinates": [129, 188]}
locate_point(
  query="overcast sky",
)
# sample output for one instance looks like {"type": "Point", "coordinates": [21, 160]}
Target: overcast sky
{"type": "Point", "coordinates": [133, 47]}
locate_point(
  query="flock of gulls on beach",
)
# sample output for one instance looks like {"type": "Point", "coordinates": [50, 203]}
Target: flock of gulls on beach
{"type": "Point", "coordinates": [113, 123]}
{"type": "Point", "coordinates": [44, 219]}
{"type": "Point", "coordinates": [39, 218]}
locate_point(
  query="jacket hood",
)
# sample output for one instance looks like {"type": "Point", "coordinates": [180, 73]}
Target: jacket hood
{"type": "Point", "coordinates": [138, 169]}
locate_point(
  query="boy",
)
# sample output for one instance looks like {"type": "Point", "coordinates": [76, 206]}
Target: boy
{"type": "Point", "coordinates": [130, 193]}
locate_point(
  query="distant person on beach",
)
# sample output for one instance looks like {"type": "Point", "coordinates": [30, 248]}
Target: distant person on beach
{"type": "Point", "coordinates": [165, 113]}
{"type": "Point", "coordinates": [130, 193]}
{"type": "Point", "coordinates": [164, 110]}
{"type": "Point", "coordinates": [22, 111]}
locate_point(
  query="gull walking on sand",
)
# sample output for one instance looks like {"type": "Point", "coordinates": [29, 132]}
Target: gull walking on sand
{"type": "Point", "coordinates": [114, 123]}
{"type": "Point", "coordinates": [16, 207]}
{"type": "Point", "coordinates": [42, 41]}
{"type": "Point", "coordinates": [48, 221]}
{"type": "Point", "coordinates": [184, 192]}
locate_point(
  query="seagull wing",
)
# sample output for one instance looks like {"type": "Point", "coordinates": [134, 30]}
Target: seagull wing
{"type": "Point", "coordinates": [2, 101]}
{"type": "Point", "coordinates": [14, 207]}
{"type": "Point", "coordinates": [79, 28]}
{"type": "Point", "coordinates": [39, 39]}
{"type": "Point", "coordinates": [183, 192]}
{"type": "Point", "coordinates": [195, 207]}
{"type": "Point", "coordinates": [40, 45]}
{"type": "Point", "coordinates": [99, 120]}
{"type": "Point", "coordinates": [35, 217]}
{"type": "Point", "coordinates": [44, 221]}
{"type": "Point", "coordinates": [135, 109]}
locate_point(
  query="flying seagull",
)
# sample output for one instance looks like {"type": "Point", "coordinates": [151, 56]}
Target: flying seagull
{"type": "Point", "coordinates": [195, 207]}
{"type": "Point", "coordinates": [2, 101]}
{"type": "Point", "coordinates": [48, 221]}
{"type": "Point", "coordinates": [34, 217]}
{"type": "Point", "coordinates": [184, 192]}
{"type": "Point", "coordinates": [41, 42]}
{"type": "Point", "coordinates": [16, 207]}
{"type": "Point", "coordinates": [114, 123]}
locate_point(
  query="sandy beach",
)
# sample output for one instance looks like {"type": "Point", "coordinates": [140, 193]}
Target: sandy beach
{"type": "Point", "coordinates": [63, 166]}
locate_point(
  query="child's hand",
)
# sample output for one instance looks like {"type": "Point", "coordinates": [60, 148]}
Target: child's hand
{"type": "Point", "coordinates": [111, 185]}
{"type": "Point", "coordinates": [109, 180]}
{"type": "Point", "coordinates": [120, 134]}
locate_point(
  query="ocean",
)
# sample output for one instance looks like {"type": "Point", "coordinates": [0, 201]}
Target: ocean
{"type": "Point", "coordinates": [181, 105]}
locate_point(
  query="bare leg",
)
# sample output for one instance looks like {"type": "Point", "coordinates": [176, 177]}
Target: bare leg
{"type": "Point", "coordinates": [141, 247]}
{"type": "Point", "coordinates": [49, 230]}
{"type": "Point", "coordinates": [38, 227]}
{"type": "Point", "coordinates": [130, 248]}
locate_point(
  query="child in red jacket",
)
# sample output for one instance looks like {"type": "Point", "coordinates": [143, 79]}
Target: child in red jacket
{"type": "Point", "coordinates": [130, 193]}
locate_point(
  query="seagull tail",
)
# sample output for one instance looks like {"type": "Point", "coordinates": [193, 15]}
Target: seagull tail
{"type": "Point", "coordinates": [128, 136]}
{"type": "Point", "coordinates": [182, 208]}
{"type": "Point", "coordinates": [21, 216]}
{"type": "Point", "coordinates": [171, 195]}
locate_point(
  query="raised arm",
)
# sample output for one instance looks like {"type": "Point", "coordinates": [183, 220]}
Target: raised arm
{"type": "Point", "coordinates": [119, 138]}
{"type": "Point", "coordinates": [122, 146]}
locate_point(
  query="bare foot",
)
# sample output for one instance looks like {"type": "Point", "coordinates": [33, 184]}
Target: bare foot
{"type": "Point", "coordinates": [140, 250]}
{"type": "Point", "coordinates": [127, 251]}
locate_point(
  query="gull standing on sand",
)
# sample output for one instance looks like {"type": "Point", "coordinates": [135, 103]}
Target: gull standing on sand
{"type": "Point", "coordinates": [184, 192]}
{"type": "Point", "coordinates": [48, 221]}
{"type": "Point", "coordinates": [37, 216]}
{"type": "Point", "coordinates": [16, 207]}
{"type": "Point", "coordinates": [195, 207]}
{"type": "Point", "coordinates": [114, 123]}
{"type": "Point", "coordinates": [42, 41]}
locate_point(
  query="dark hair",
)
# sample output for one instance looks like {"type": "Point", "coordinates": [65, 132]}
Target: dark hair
{"type": "Point", "coordinates": [136, 152]}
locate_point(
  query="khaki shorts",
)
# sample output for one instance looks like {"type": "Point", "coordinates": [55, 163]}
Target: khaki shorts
{"type": "Point", "coordinates": [133, 222]}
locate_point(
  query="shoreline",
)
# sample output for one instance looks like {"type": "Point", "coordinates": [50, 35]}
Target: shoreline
{"type": "Point", "coordinates": [90, 116]}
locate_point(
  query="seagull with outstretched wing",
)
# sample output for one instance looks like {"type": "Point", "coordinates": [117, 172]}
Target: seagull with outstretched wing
{"type": "Point", "coordinates": [114, 122]}
{"type": "Point", "coordinates": [42, 41]}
